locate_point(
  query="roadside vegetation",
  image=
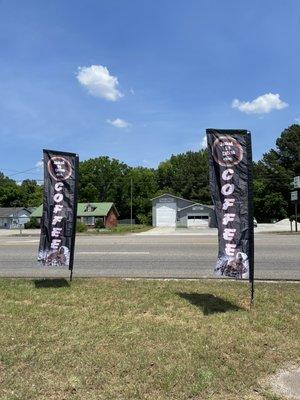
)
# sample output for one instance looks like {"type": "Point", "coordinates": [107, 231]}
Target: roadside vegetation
{"type": "Point", "coordinates": [123, 229]}
{"type": "Point", "coordinates": [120, 229]}
{"type": "Point", "coordinates": [185, 175]}
{"type": "Point", "coordinates": [123, 339]}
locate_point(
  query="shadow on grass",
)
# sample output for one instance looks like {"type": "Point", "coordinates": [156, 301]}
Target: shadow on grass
{"type": "Point", "coordinates": [209, 303]}
{"type": "Point", "coordinates": [51, 283]}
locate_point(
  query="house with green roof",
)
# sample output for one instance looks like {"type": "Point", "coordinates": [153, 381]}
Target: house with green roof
{"type": "Point", "coordinates": [89, 213]}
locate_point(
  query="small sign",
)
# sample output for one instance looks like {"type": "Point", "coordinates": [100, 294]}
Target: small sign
{"type": "Point", "coordinates": [297, 182]}
{"type": "Point", "coordinates": [294, 196]}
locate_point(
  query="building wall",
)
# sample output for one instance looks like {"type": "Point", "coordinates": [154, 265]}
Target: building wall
{"type": "Point", "coordinates": [197, 210]}
{"type": "Point", "coordinates": [15, 221]}
{"type": "Point", "coordinates": [4, 223]}
{"type": "Point", "coordinates": [160, 200]}
{"type": "Point", "coordinates": [111, 220]}
{"type": "Point", "coordinates": [23, 217]}
{"type": "Point", "coordinates": [88, 221]}
{"type": "Point", "coordinates": [182, 216]}
{"type": "Point", "coordinates": [180, 203]}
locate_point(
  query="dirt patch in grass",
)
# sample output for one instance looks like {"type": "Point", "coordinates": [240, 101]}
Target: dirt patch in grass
{"type": "Point", "coordinates": [285, 382]}
{"type": "Point", "coordinates": [126, 340]}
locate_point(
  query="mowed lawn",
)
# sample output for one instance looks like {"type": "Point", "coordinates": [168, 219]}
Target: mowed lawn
{"type": "Point", "coordinates": [119, 339]}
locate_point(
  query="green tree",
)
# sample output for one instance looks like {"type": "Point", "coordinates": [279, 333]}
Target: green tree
{"type": "Point", "coordinates": [102, 179]}
{"type": "Point", "coordinates": [288, 149]}
{"type": "Point", "coordinates": [186, 175]}
{"type": "Point", "coordinates": [32, 193]}
{"type": "Point", "coordinates": [268, 205]}
{"type": "Point", "coordinates": [10, 192]}
{"type": "Point", "coordinates": [273, 175]}
{"type": "Point", "coordinates": [144, 187]}
{"type": "Point", "coordinates": [28, 194]}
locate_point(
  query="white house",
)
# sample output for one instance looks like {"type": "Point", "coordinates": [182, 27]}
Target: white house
{"type": "Point", "coordinates": [14, 217]}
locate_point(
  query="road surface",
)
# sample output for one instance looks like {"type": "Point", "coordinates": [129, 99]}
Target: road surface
{"type": "Point", "coordinates": [276, 257]}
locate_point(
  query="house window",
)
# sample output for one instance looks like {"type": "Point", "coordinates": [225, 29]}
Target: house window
{"type": "Point", "coordinates": [89, 220]}
{"type": "Point", "coordinates": [197, 216]}
{"type": "Point", "coordinates": [89, 208]}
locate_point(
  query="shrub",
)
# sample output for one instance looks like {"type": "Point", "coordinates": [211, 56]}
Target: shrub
{"type": "Point", "coordinates": [32, 223]}
{"type": "Point", "coordinates": [144, 219]}
{"type": "Point", "coordinates": [99, 224]}
{"type": "Point", "coordinates": [80, 227]}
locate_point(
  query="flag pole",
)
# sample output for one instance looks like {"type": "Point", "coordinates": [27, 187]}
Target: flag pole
{"type": "Point", "coordinates": [131, 190]}
{"type": "Point", "coordinates": [251, 218]}
{"type": "Point", "coordinates": [76, 168]}
{"type": "Point", "coordinates": [252, 293]}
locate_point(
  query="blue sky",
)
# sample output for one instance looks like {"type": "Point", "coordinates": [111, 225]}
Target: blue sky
{"type": "Point", "coordinates": [164, 71]}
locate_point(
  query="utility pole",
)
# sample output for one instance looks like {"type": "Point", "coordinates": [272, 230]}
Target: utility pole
{"type": "Point", "coordinates": [295, 198]}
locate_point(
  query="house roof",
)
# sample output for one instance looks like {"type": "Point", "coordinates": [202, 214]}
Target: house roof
{"type": "Point", "coordinates": [6, 212]}
{"type": "Point", "coordinates": [193, 203]}
{"type": "Point", "coordinates": [196, 204]}
{"type": "Point", "coordinates": [31, 209]}
{"type": "Point", "coordinates": [172, 195]}
{"type": "Point", "coordinates": [100, 210]}
{"type": "Point", "coordinates": [38, 211]}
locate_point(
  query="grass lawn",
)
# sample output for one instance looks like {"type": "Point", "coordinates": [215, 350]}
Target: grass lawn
{"type": "Point", "coordinates": [126, 340]}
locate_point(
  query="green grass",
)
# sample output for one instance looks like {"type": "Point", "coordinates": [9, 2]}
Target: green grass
{"type": "Point", "coordinates": [126, 340]}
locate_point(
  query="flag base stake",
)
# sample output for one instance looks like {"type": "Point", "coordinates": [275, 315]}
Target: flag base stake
{"type": "Point", "coordinates": [71, 275]}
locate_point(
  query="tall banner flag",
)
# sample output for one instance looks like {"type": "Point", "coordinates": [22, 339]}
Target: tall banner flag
{"type": "Point", "coordinates": [230, 170]}
{"type": "Point", "coordinates": [58, 223]}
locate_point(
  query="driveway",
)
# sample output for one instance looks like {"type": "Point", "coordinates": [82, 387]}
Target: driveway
{"type": "Point", "coordinates": [161, 231]}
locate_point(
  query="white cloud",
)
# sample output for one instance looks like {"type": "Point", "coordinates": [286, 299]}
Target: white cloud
{"type": "Point", "coordinates": [99, 83]}
{"type": "Point", "coordinates": [119, 123]}
{"type": "Point", "coordinates": [39, 164]}
{"type": "Point", "coordinates": [204, 143]}
{"type": "Point", "coordinates": [261, 105]}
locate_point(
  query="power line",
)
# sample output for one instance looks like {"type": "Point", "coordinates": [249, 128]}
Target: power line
{"type": "Point", "coordinates": [22, 172]}
{"type": "Point", "coordinates": [9, 170]}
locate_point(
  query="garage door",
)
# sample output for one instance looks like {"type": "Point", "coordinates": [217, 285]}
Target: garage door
{"type": "Point", "coordinates": [197, 220]}
{"type": "Point", "coordinates": [166, 214]}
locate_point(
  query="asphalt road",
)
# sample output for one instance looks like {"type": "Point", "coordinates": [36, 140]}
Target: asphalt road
{"type": "Point", "coordinates": [276, 257]}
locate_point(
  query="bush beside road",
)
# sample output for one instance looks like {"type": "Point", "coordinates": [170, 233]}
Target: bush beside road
{"type": "Point", "coordinates": [122, 229]}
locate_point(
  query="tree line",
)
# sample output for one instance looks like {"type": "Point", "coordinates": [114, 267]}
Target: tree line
{"type": "Point", "coordinates": [185, 175]}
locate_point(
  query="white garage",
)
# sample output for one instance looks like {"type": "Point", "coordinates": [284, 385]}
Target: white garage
{"type": "Point", "coordinates": [169, 210]}
{"type": "Point", "coordinates": [166, 214]}
{"type": "Point", "coordinates": [197, 220]}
